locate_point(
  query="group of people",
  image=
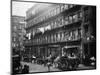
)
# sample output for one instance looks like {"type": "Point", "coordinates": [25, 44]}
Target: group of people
{"type": "Point", "coordinates": [25, 69]}
{"type": "Point", "coordinates": [47, 62]}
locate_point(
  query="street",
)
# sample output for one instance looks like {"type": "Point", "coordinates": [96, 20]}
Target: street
{"type": "Point", "coordinates": [38, 68]}
{"type": "Point", "coordinates": [41, 68]}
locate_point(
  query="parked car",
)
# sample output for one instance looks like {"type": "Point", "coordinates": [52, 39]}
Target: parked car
{"type": "Point", "coordinates": [70, 60]}
{"type": "Point", "coordinates": [63, 63]}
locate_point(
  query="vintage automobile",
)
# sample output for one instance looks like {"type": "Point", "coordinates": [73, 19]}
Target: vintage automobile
{"type": "Point", "coordinates": [70, 60]}
{"type": "Point", "coordinates": [63, 63]}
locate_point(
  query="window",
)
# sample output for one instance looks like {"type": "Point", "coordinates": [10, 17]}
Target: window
{"type": "Point", "coordinates": [65, 7]}
{"type": "Point", "coordinates": [50, 13]}
{"type": "Point", "coordinates": [52, 38]}
{"type": "Point", "coordinates": [86, 28]}
{"type": "Point", "coordinates": [62, 8]}
{"type": "Point", "coordinates": [62, 21]}
{"type": "Point", "coordinates": [75, 18]}
{"type": "Point", "coordinates": [66, 20]}
{"type": "Point", "coordinates": [60, 36]}
{"type": "Point", "coordinates": [55, 23]}
{"type": "Point", "coordinates": [58, 10]}
{"type": "Point", "coordinates": [65, 35]}
{"type": "Point", "coordinates": [70, 19]}
{"type": "Point", "coordinates": [42, 39]}
{"type": "Point", "coordinates": [48, 39]}
{"type": "Point", "coordinates": [56, 36]}
{"type": "Point", "coordinates": [79, 33]}
{"type": "Point", "coordinates": [51, 25]}
{"type": "Point", "coordinates": [86, 16]}
{"type": "Point", "coordinates": [74, 35]}
{"type": "Point", "coordinates": [37, 40]}
{"type": "Point", "coordinates": [70, 37]}
{"type": "Point", "coordinates": [70, 6]}
{"type": "Point", "coordinates": [80, 15]}
{"type": "Point", "coordinates": [75, 32]}
{"type": "Point", "coordinates": [54, 11]}
{"type": "Point", "coordinates": [58, 39]}
{"type": "Point", "coordinates": [45, 39]}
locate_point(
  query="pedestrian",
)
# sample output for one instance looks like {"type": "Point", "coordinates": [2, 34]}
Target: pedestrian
{"type": "Point", "coordinates": [25, 70]}
{"type": "Point", "coordinates": [49, 65]}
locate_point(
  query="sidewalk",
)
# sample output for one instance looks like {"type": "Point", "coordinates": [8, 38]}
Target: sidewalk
{"type": "Point", "coordinates": [83, 67]}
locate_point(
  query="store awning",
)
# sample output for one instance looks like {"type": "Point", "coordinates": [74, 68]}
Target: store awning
{"type": "Point", "coordinates": [70, 47]}
{"type": "Point", "coordinates": [15, 56]}
{"type": "Point", "coordinates": [54, 46]}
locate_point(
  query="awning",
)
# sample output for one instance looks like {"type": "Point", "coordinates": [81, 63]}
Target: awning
{"type": "Point", "coordinates": [70, 47]}
{"type": "Point", "coordinates": [54, 46]}
{"type": "Point", "coordinates": [15, 56]}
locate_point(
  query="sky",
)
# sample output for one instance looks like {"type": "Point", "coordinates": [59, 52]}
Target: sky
{"type": "Point", "coordinates": [20, 8]}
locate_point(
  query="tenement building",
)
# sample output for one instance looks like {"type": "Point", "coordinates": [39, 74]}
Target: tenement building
{"type": "Point", "coordinates": [18, 32]}
{"type": "Point", "coordinates": [53, 28]}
